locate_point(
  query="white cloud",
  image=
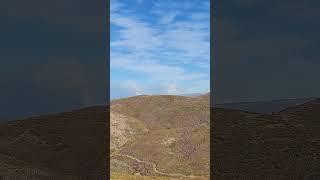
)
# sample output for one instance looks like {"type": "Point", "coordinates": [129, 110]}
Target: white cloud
{"type": "Point", "coordinates": [128, 88]}
{"type": "Point", "coordinates": [168, 17]}
{"type": "Point", "coordinates": [172, 89]}
{"type": "Point", "coordinates": [135, 34]}
{"type": "Point", "coordinates": [161, 52]}
{"type": "Point", "coordinates": [187, 40]}
{"type": "Point", "coordinates": [133, 86]}
{"type": "Point", "coordinates": [125, 89]}
{"type": "Point", "coordinates": [153, 70]}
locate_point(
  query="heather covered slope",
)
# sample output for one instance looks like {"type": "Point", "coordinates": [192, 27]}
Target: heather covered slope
{"type": "Point", "coordinates": [70, 143]}
{"type": "Point", "coordinates": [176, 143]}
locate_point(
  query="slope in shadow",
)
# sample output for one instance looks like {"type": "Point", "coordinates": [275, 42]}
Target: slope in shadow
{"type": "Point", "coordinates": [261, 146]}
{"type": "Point", "coordinates": [65, 145]}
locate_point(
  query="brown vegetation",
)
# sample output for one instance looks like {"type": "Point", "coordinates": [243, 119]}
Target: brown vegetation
{"type": "Point", "coordinates": [261, 146]}
{"type": "Point", "coordinates": [70, 143]}
{"type": "Point", "coordinates": [177, 142]}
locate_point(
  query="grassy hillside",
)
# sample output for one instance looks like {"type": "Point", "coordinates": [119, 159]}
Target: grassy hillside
{"type": "Point", "coordinates": [177, 142]}
{"type": "Point", "coordinates": [124, 129]}
{"type": "Point", "coordinates": [164, 111]}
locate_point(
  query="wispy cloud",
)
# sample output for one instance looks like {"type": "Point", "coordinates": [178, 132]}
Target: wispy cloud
{"type": "Point", "coordinates": [152, 69]}
{"type": "Point", "coordinates": [134, 34]}
{"type": "Point", "coordinates": [171, 47]}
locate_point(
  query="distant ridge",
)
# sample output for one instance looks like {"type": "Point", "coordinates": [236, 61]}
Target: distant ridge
{"type": "Point", "coordinates": [146, 95]}
{"type": "Point", "coordinates": [265, 106]}
{"type": "Point", "coordinates": [193, 94]}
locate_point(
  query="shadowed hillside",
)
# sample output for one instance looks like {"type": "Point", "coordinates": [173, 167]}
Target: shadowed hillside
{"type": "Point", "coordinates": [61, 145]}
{"type": "Point", "coordinates": [261, 146]}
{"type": "Point", "coordinates": [175, 143]}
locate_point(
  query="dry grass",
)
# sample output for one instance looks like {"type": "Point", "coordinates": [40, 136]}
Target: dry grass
{"type": "Point", "coordinates": [184, 121]}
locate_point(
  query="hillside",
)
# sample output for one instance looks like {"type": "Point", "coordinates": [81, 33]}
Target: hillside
{"type": "Point", "coordinates": [164, 111]}
{"type": "Point", "coordinates": [125, 128]}
{"type": "Point", "coordinates": [164, 137]}
{"type": "Point", "coordinates": [60, 145]}
{"type": "Point", "coordinates": [281, 145]}
{"type": "Point", "coordinates": [161, 137]}
{"type": "Point", "coordinates": [176, 144]}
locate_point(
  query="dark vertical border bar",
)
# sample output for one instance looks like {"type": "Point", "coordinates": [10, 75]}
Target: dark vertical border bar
{"type": "Point", "coordinates": [53, 63]}
{"type": "Point", "coordinates": [107, 146]}
{"type": "Point", "coordinates": [280, 147]}
{"type": "Point", "coordinates": [212, 58]}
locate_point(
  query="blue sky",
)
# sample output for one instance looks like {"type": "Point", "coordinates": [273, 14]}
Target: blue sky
{"type": "Point", "coordinates": [159, 47]}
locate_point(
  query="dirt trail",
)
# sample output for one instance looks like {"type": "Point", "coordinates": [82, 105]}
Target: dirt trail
{"type": "Point", "coordinates": [155, 167]}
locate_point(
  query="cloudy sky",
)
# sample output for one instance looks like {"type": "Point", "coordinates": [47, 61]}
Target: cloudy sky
{"type": "Point", "coordinates": [159, 47]}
